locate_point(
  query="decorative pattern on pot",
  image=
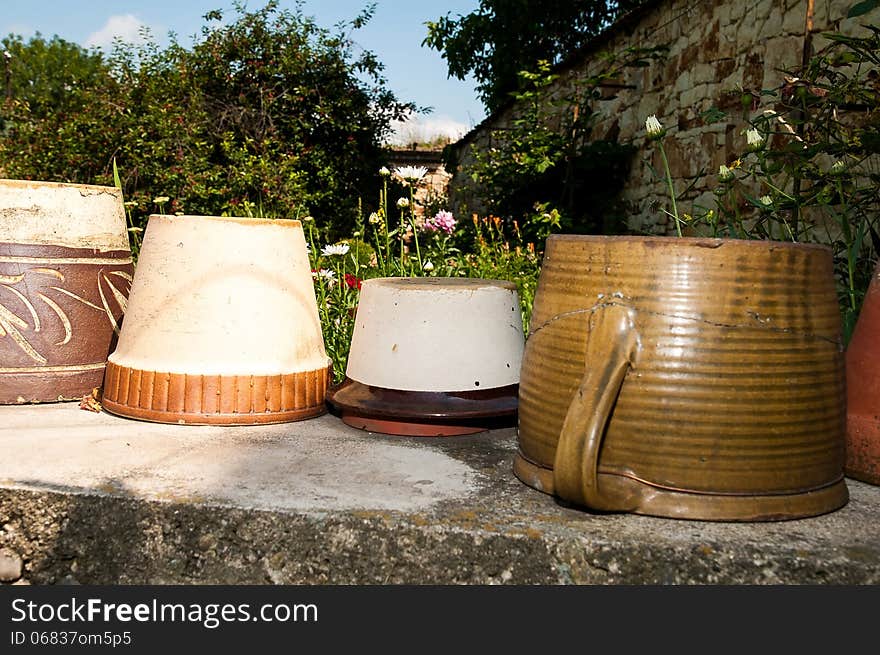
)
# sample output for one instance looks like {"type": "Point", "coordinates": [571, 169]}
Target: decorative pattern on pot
{"type": "Point", "coordinates": [222, 326]}
{"type": "Point", "coordinates": [65, 273]}
{"type": "Point", "coordinates": [863, 390]}
{"type": "Point", "coordinates": [685, 377]}
{"type": "Point", "coordinates": [433, 357]}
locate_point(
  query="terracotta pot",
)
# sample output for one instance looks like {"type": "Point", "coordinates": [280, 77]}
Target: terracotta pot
{"type": "Point", "coordinates": [685, 377]}
{"type": "Point", "coordinates": [433, 357]}
{"type": "Point", "coordinates": [863, 390]}
{"type": "Point", "coordinates": [222, 326]}
{"type": "Point", "coordinates": [65, 272]}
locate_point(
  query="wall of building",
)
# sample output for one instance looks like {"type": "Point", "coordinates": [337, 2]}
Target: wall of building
{"type": "Point", "coordinates": [717, 49]}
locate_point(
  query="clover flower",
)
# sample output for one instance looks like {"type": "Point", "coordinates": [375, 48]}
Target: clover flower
{"type": "Point", "coordinates": [384, 172]}
{"type": "Point", "coordinates": [725, 174]}
{"type": "Point", "coordinates": [336, 249]}
{"type": "Point", "coordinates": [428, 266]}
{"type": "Point", "coordinates": [837, 168]}
{"type": "Point", "coordinates": [767, 201]}
{"type": "Point", "coordinates": [403, 202]}
{"type": "Point", "coordinates": [410, 174]}
{"type": "Point", "coordinates": [161, 200]}
{"type": "Point", "coordinates": [653, 127]}
{"type": "Point", "coordinates": [374, 218]}
{"type": "Point", "coordinates": [442, 221]}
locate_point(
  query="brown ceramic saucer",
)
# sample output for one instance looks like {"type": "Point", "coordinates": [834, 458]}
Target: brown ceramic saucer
{"type": "Point", "coordinates": [423, 413]}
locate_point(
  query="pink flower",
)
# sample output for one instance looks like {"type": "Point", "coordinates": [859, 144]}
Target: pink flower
{"type": "Point", "coordinates": [443, 221]}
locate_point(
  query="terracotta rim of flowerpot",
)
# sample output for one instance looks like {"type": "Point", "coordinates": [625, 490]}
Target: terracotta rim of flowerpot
{"type": "Point", "coordinates": [181, 398]}
{"type": "Point", "coordinates": [50, 384]}
{"type": "Point", "coordinates": [423, 413]}
{"type": "Point", "coordinates": [701, 506]}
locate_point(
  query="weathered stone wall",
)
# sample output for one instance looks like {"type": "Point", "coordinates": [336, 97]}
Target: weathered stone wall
{"type": "Point", "coordinates": [717, 50]}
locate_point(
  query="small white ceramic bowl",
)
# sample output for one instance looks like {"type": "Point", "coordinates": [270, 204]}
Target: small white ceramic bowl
{"type": "Point", "coordinates": [433, 356]}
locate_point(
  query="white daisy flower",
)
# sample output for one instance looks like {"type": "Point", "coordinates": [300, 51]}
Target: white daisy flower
{"type": "Point", "coordinates": [410, 174]}
{"type": "Point", "coordinates": [654, 128]}
{"type": "Point", "coordinates": [336, 249]}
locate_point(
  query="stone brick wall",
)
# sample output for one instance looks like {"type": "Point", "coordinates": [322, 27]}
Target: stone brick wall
{"type": "Point", "coordinates": [717, 50]}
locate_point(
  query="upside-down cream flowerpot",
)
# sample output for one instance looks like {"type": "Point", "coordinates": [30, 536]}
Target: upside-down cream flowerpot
{"type": "Point", "coordinates": [65, 272]}
{"type": "Point", "coordinates": [222, 326]}
{"type": "Point", "coordinates": [433, 357]}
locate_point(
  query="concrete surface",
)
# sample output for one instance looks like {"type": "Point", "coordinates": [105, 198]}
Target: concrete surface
{"type": "Point", "coordinates": [96, 499]}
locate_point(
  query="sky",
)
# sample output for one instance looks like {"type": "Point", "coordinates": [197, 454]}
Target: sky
{"type": "Point", "coordinates": [395, 33]}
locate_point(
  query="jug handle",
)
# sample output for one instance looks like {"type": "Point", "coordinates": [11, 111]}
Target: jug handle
{"type": "Point", "coordinates": [612, 345]}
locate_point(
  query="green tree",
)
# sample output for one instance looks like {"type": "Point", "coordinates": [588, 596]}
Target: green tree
{"type": "Point", "coordinates": [45, 73]}
{"type": "Point", "coordinates": [268, 114]}
{"type": "Point", "coordinates": [49, 100]}
{"type": "Point", "coordinates": [504, 37]}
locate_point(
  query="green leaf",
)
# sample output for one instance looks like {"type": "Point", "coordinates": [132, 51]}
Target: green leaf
{"type": "Point", "coordinates": [116, 179]}
{"type": "Point", "coordinates": [713, 115]}
{"type": "Point", "coordinates": [861, 8]}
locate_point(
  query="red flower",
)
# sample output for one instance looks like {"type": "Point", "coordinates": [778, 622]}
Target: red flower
{"type": "Point", "coordinates": [352, 281]}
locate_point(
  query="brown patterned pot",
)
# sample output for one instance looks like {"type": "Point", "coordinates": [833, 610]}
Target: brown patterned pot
{"type": "Point", "coordinates": [65, 272]}
{"type": "Point", "coordinates": [222, 326]}
{"type": "Point", "coordinates": [685, 377]}
{"type": "Point", "coordinates": [863, 390]}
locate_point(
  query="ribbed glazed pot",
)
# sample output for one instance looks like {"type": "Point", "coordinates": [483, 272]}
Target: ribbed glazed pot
{"type": "Point", "coordinates": [433, 357]}
{"type": "Point", "coordinates": [863, 390]}
{"type": "Point", "coordinates": [65, 273]}
{"type": "Point", "coordinates": [685, 377]}
{"type": "Point", "coordinates": [222, 326]}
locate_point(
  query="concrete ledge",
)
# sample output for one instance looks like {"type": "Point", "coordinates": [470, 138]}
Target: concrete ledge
{"type": "Point", "coordinates": [96, 499]}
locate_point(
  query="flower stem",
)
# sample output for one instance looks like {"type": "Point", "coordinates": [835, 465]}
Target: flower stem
{"type": "Point", "coordinates": [385, 220]}
{"type": "Point", "coordinates": [850, 243]}
{"type": "Point", "coordinates": [412, 216]}
{"type": "Point", "coordinates": [401, 236]}
{"type": "Point", "coordinates": [671, 188]}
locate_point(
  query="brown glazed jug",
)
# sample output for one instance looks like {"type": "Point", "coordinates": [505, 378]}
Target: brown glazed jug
{"type": "Point", "coordinates": [685, 377]}
{"type": "Point", "coordinates": [65, 272]}
{"type": "Point", "coordinates": [863, 390]}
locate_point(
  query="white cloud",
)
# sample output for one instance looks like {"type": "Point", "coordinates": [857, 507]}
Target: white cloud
{"type": "Point", "coordinates": [126, 27]}
{"type": "Point", "coordinates": [424, 129]}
